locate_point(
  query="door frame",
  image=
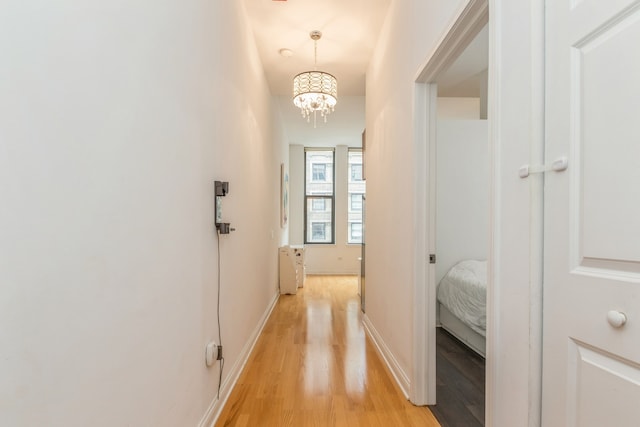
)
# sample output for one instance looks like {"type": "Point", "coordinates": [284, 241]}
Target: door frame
{"type": "Point", "coordinates": [467, 24]}
{"type": "Point", "coordinates": [516, 137]}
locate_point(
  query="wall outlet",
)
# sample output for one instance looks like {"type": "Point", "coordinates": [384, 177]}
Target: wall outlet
{"type": "Point", "coordinates": [211, 353]}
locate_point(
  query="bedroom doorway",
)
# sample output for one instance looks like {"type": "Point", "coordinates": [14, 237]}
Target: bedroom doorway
{"type": "Point", "coordinates": [452, 148]}
{"type": "Point", "coordinates": [461, 212]}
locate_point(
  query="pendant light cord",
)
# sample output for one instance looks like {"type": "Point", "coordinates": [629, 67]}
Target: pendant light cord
{"type": "Point", "coordinates": [315, 55]}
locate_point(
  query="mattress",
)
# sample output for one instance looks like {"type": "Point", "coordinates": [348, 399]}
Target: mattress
{"type": "Point", "coordinates": [463, 290]}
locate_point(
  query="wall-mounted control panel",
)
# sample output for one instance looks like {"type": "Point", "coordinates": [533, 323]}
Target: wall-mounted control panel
{"type": "Point", "coordinates": [221, 190]}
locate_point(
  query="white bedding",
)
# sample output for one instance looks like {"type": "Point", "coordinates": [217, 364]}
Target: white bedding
{"type": "Point", "coordinates": [463, 290]}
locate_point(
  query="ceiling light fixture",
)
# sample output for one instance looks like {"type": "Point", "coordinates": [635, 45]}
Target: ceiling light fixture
{"type": "Point", "coordinates": [315, 91]}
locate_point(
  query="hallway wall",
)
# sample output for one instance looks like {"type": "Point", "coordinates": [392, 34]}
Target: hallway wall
{"type": "Point", "coordinates": [115, 119]}
{"type": "Point", "coordinates": [411, 32]}
{"type": "Point", "coordinates": [516, 137]}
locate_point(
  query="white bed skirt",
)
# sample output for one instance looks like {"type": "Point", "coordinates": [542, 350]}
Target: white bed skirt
{"type": "Point", "coordinates": [464, 333]}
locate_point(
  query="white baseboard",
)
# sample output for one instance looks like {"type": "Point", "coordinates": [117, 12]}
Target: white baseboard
{"type": "Point", "coordinates": [215, 408]}
{"type": "Point", "coordinates": [398, 373]}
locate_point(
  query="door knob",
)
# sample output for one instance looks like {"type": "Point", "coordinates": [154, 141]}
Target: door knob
{"type": "Point", "coordinates": [617, 319]}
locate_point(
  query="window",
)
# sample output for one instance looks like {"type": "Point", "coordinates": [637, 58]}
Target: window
{"type": "Point", "coordinates": [319, 221]}
{"type": "Point", "coordinates": [318, 230]}
{"type": "Point", "coordinates": [356, 202]}
{"type": "Point", "coordinates": [355, 232]}
{"type": "Point", "coordinates": [319, 172]}
{"type": "Point", "coordinates": [319, 196]}
{"type": "Point", "coordinates": [356, 171]}
{"type": "Point", "coordinates": [356, 190]}
{"type": "Point", "coordinates": [318, 205]}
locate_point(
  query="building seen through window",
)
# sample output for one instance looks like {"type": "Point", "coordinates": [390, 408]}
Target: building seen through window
{"type": "Point", "coordinates": [318, 205]}
{"type": "Point", "coordinates": [319, 172]}
{"type": "Point", "coordinates": [356, 190]}
{"type": "Point", "coordinates": [319, 196]}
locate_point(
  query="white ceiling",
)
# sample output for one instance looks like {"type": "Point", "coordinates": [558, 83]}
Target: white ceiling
{"type": "Point", "coordinates": [349, 34]}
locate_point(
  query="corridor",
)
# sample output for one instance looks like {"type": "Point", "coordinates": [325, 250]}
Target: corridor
{"type": "Point", "coordinates": [314, 366]}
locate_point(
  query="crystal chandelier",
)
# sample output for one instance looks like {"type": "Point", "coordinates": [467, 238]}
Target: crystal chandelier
{"type": "Point", "coordinates": [315, 91]}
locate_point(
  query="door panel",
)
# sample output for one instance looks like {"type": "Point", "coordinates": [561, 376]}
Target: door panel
{"type": "Point", "coordinates": [595, 377]}
{"type": "Point", "coordinates": [605, 128]}
{"type": "Point", "coordinates": [591, 374]}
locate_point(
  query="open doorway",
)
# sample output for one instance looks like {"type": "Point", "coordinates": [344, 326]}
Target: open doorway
{"type": "Point", "coordinates": [452, 203]}
{"type": "Point", "coordinates": [461, 212]}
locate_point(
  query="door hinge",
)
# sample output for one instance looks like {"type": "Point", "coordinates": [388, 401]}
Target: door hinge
{"type": "Point", "coordinates": [432, 258]}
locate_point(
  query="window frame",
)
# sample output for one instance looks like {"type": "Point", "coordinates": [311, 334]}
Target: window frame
{"type": "Point", "coordinates": [332, 197]}
{"type": "Point", "coordinates": [355, 216]}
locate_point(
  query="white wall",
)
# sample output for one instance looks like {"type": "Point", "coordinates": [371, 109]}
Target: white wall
{"type": "Point", "coordinates": [296, 187]}
{"type": "Point", "coordinates": [115, 118]}
{"type": "Point", "coordinates": [462, 200]}
{"type": "Point", "coordinates": [458, 108]}
{"type": "Point", "coordinates": [338, 258]}
{"type": "Point", "coordinates": [410, 33]}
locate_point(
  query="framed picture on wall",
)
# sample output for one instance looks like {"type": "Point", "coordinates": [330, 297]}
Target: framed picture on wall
{"type": "Point", "coordinates": [284, 196]}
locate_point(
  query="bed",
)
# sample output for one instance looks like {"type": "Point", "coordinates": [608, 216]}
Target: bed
{"type": "Point", "coordinates": [462, 296]}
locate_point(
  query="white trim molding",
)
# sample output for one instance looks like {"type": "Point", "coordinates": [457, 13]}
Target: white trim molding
{"type": "Point", "coordinates": [466, 25]}
{"type": "Point", "coordinates": [401, 377]}
{"type": "Point", "coordinates": [423, 391]}
{"type": "Point", "coordinates": [461, 32]}
{"type": "Point", "coordinates": [215, 408]}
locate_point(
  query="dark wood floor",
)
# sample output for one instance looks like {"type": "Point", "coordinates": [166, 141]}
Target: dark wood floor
{"type": "Point", "coordinates": [460, 383]}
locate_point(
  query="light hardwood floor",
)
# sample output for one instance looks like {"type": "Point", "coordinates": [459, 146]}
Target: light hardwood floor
{"type": "Point", "coordinates": [314, 366]}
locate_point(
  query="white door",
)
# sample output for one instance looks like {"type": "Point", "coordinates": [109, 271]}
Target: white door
{"type": "Point", "coordinates": [591, 365]}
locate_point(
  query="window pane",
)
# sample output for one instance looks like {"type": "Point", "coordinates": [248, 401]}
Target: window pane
{"type": "Point", "coordinates": [319, 172]}
{"type": "Point", "coordinates": [319, 167]}
{"type": "Point", "coordinates": [319, 196]}
{"type": "Point", "coordinates": [318, 205]}
{"type": "Point", "coordinates": [355, 233]}
{"type": "Point", "coordinates": [318, 231]}
{"type": "Point", "coordinates": [356, 172]}
{"type": "Point", "coordinates": [319, 221]}
{"type": "Point", "coordinates": [355, 165]}
{"type": "Point", "coordinates": [356, 203]}
{"type": "Point", "coordinates": [356, 189]}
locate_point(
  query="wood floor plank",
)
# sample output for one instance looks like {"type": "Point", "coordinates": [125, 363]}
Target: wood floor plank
{"type": "Point", "coordinates": [460, 384]}
{"type": "Point", "coordinates": [313, 365]}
